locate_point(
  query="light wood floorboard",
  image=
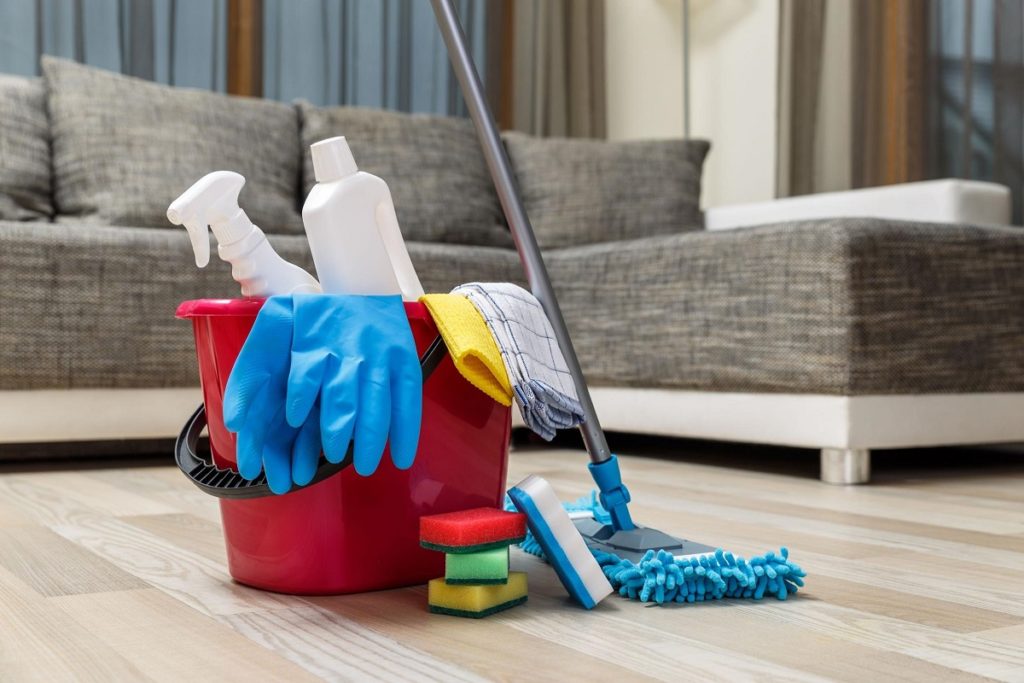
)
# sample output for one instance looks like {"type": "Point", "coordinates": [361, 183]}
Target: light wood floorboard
{"type": "Point", "coordinates": [120, 575]}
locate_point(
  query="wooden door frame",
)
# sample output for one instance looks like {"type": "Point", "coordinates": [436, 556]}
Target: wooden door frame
{"type": "Point", "coordinates": [245, 47]}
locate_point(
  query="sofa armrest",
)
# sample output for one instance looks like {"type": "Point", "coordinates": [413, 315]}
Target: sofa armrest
{"type": "Point", "coordinates": [934, 201]}
{"type": "Point", "coordinates": [845, 306]}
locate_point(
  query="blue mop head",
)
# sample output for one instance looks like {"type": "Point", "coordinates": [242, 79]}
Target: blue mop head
{"type": "Point", "coordinates": [661, 577]}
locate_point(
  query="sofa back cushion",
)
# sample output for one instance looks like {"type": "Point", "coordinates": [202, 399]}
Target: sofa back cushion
{"type": "Point", "coordinates": [579, 191]}
{"type": "Point", "coordinates": [124, 148]}
{"type": "Point", "coordinates": [24, 150]}
{"type": "Point", "coordinates": [432, 164]}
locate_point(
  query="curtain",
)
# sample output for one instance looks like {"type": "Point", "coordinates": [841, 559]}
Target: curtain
{"type": "Point", "coordinates": [374, 53]}
{"type": "Point", "coordinates": [889, 91]}
{"type": "Point", "coordinates": [177, 42]}
{"type": "Point", "coordinates": [890, 52]}
{"type": "Point", "coordinates": [557, 81]}
{"type": "Point", "coordinates": [802, 24]}
{"type": "Point", "coordinates": [977, 99]}
{"type": "Point", "coordinates": [542, 61]}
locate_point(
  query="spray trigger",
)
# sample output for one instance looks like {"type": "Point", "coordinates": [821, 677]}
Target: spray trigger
{"type": "Point", "coordinates": [213, 201]}
{"type": "Point", "coordinates": [200, 237]}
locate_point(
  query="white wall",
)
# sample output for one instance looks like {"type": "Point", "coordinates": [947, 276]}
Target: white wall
{"type": "Point", "coordinates": [733, 58]}
{"type": "Point", "coordinates": [644, 66]}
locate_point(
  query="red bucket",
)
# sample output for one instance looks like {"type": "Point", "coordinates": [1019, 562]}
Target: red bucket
{"type": "Point", "coordinates": [348, 533]}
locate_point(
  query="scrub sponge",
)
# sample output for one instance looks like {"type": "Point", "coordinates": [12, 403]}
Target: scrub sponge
{"type": "Point", "coordinates": [476, 601]}
{"type": "Point", "coordinates": [488, 566]}
{"type": "Point", "coordinates": [563, 545]}
{"type": "Point", "coordinates": [471, 531]}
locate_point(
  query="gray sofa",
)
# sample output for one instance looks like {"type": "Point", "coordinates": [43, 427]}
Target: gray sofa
{"type": "Point", "coordinates": [660, 310]}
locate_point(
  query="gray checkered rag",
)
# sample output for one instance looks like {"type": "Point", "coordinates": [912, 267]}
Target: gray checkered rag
{"type": "Point", "coordinates": [541, 383]}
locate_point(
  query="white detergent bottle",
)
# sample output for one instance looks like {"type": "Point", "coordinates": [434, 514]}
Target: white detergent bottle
{"type": "Point", "coordinates": [352, 229]}
{"type": "Point", "coordinates": [213, 201]}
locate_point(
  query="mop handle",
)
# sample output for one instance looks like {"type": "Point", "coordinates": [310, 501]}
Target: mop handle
{"type": "Point", "coordinates": [515, 214]}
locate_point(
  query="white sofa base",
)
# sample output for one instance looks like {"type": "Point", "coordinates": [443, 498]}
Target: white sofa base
{"type": "Point", "coordinates": [50, 415]}
{"type": "Point", "coordinates": [845, 428]}
{"type": "Point", "coordinates": [815, 421]}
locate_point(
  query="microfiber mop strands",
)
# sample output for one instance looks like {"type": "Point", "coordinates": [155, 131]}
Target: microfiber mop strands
{"type": "Point", "coordinates": [660, 577]}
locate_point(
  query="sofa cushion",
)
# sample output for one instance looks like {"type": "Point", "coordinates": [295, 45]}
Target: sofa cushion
{"type": "Point", "coordinates": [124, 148]}
{"type": "Point", "coordinates": [433, 165]}
{"type": "Point", "coordinates": [24, 150]}
{"type": "Point", "coordinates": [579, 191]}
{"type": "Point", "coordinates": [89, 306]}
{"type": "Point", "coordinates": [848, 306]}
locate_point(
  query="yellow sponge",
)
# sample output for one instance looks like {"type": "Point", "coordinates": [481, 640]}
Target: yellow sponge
{"type": "Point", "coordinates": [476, 601]}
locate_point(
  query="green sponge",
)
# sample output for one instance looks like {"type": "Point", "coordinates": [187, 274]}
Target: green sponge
{"type": "Point", "coordinates": [484, 567]}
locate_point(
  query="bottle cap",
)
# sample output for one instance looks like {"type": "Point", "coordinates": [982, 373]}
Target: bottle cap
{"type": "Point", "coordinates": [332, 160]}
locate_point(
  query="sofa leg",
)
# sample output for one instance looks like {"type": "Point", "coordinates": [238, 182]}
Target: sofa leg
{"type": "Point", "coordinates": [845, 465]}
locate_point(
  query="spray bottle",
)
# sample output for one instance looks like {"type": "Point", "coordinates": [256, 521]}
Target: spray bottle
{"type": "Point", "coordinates": [352, 228]}
{"type": "Point", "coordinates": [213, 201]}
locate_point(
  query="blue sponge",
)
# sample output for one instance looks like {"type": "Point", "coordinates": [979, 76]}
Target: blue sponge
{"type": "Point", "coordinates": [563, 545]}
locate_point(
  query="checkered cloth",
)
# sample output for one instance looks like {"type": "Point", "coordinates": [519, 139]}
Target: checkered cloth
{"type": "Point", "coordinates": [541, 383]}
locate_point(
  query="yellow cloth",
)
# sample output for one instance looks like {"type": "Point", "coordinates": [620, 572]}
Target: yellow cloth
{"type": "Point", "coordinates": [470, 343]}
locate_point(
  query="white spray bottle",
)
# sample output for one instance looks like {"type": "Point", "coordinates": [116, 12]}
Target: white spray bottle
{"type": "Point", "coordinates": [213, 201]}
{"type": "Point", "coordinates": [353, 230]}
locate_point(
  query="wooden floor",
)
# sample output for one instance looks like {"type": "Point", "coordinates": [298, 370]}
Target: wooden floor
{"type": "Point", "coordinates": [119, 574]}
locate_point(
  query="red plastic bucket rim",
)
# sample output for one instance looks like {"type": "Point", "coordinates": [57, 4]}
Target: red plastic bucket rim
{"type": "Point", "coordinates": [195, 308]}
{"type": "Point", "coordinates": [208, 307]}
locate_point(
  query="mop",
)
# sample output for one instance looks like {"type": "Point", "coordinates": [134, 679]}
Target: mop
{"type": "Point", "coordinates": [640, 563]}
{"type": "Point", "coordinates": [659, 576]}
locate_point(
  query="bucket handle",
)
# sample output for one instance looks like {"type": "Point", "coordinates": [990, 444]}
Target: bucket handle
{"type": "Point", "coordinates": [230, 484]}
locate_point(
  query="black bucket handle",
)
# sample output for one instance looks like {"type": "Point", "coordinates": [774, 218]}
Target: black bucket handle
{"type": "Point", "coordinates": [229, 483]}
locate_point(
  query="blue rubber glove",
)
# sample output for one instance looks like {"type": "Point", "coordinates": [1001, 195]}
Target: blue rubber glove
{"type": "Point", "coordinates": [254, 405]}
{"type": "Point", "coordinates": [357, 356]}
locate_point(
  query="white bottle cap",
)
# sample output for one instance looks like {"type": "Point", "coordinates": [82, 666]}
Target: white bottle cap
{"type": "Point", "coordinates": [332, 160]}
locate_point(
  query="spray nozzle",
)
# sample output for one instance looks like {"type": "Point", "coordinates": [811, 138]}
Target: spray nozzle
{"type": "Point", "coordinates": [211, 201]}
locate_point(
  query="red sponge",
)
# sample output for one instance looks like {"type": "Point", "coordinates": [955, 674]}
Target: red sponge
{"type": "Point", "coordinates": [471, 531]}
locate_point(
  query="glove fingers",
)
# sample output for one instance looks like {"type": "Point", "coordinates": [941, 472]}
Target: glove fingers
{"type": "Point", "coordinates": [304, 380]}
{"type": "Point", "coordinates": [338, 408]}
{"type": "Point", "coordinates": [252, 436]}
{"type": "Point", "coordinates": [372, 420]}
{"type": "Point", "coordinates": [277, 454]}
{"type": "Point", "coordinates": [264, 354]}
{"type": "Point", "coordinates": [272, 330]}
{"type": "Point", "coordinates": [244, 384]}
{"type": "Point", "coordinates": [406, 410]}
{"type": "Point", "coordinates": [306, 451]}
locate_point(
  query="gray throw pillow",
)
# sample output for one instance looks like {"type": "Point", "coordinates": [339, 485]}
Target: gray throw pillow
{"type": "Point", "coordinates": [432, 164]}
{"type": "Point", "coordinates": [124, 148]}
{"type": "Point", "coordinates": [24, 150]}
{"type": "Point", "coordinates": [580, 191]}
